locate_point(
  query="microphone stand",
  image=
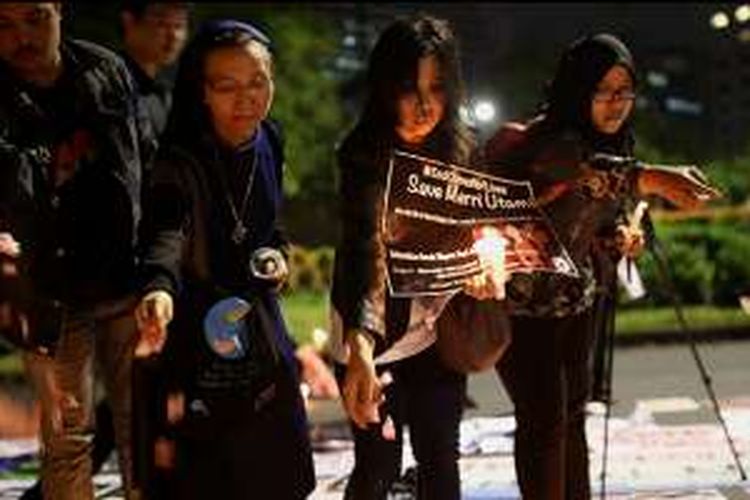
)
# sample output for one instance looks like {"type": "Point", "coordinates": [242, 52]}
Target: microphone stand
{"type": "Point", "coordinates": [605, 161]}
{"type": "Point", "coordinates": [658, 252]}
{"type": "Point", "coordinates": [604, 317]}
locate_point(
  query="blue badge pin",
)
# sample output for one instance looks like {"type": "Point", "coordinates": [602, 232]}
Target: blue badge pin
{"type": "Point", "coordinates": [225, 328]}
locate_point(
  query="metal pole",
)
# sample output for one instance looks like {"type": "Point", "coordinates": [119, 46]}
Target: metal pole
{"type": "Point", "coordinates": [657, 250]}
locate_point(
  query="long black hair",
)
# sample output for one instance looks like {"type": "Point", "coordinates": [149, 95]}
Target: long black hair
{"type": "Point", "coordinates": [392, 72]}
{"type": "Point", "coordinates": [581, 67]}
{"type": "Point", "coordinates": [189, 118]}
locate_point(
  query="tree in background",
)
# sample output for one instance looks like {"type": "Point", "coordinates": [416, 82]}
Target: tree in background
{"type": "Point", "coordinates": [307, 98]}
{"type": "Point", "coordinates": [307, 105]}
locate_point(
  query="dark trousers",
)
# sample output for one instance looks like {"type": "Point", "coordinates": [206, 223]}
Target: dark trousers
{"type": "Point", "coordinates": [428, 398]}
{"type": "Point", "coordinates": [547, 375]}
{"type": "Point", "coordinates": [267, 456]}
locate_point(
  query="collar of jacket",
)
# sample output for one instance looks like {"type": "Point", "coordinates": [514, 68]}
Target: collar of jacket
{"type": "Point", "coordinates": [144, 83]}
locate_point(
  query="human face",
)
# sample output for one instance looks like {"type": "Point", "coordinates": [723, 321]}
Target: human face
{"type": "Point", "coordinates": [238, 90]}
{"type": "Point", "coordinates": [30, 40]}
{"type": "Point", "coordinates": [159, 35]}
{"type": "Point", "coordinates": [421, 109]}
{"type": "Point", "coordinates": [612, 100]}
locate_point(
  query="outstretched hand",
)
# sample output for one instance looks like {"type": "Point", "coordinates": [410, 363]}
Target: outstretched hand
{"type": "Point", "coordinates": [152, 315]}
{"type": "Point", "coordinates": [485, 287]}
{"type": "Point", "coordinates": [489, 244]}
{"type": "Point", "coordinates": [684, 186]}
{"type": "Point", "coordinates": [630, 240]}
{"type": "Point", "coordinates": [9, 247]}
{"type": "Point", "coordinates": [363, 392]}
{"type": "Point", "coordinates": [316, 374]}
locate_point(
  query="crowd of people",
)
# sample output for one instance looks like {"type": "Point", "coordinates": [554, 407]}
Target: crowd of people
{"type": "Point", "coordinates": [140, 217]}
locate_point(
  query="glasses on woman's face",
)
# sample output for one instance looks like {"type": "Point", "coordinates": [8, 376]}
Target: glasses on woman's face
{"type": "Point", "coordinates": [608, 95]}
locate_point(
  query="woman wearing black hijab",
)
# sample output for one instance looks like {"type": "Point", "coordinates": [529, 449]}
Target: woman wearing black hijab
{"type": "Point", "coordinates": [233, 421]}
{"type": "Point", "coordinates": [546, 370]}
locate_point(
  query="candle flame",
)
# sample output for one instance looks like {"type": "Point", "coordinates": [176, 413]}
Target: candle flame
{"type": "Point", "coordinates": [490, 247]}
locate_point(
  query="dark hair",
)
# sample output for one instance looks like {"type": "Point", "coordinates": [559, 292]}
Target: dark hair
{"type": "Point", "coordinates": [138, 7]}
{"type": "Point", "coordinates": [568, 95]}
{"type": "Point", "coordinates": [188, 116]}
{"type": "Point", "coordinates": [392, 71]}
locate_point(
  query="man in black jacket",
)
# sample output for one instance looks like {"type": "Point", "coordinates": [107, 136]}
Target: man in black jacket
{"type": "Point", "coordinates": [70, 184]}
{"type": "Point", "coordinates": [153, 35]}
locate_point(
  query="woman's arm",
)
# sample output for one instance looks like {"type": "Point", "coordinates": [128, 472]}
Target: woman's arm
{"type": "Point", "coordinates": [165, 220]}
{"type": "Point", "coordinates": [359, 282]}
{"type": "Point", "coordinates": [358, 290]}
{"type": "Point", "coordinates": [684, 186]}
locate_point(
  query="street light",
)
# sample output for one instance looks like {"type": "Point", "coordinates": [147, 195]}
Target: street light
{"type": "Point", "coordinates": [742, 13]}
{"type": "Point", "coordinates": [720, 20]}
{"type": "Point", "coordinates": [484, 111]}
{"type": "Point", "coordinates": [657, 79]}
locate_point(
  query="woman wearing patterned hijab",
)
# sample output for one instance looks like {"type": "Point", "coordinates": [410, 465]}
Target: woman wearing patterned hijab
{"type": "Point", "coordinates": [587, 113]}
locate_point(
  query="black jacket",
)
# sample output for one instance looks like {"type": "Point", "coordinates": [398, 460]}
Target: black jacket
{"type": "Point", "coordinates": [359, 293]}
{"type": "Point", "coordinates": [187, 230]}
{"type": "Point", "coordinates": [154, 100]}
{"type": "Point", "coordinates": [189, 252]}
{"type": "Point", "coordinates": [78, 238]}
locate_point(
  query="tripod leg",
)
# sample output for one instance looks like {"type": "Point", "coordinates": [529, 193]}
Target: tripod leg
{"type": "Point", "coordinates": [662, 265]}
{"type": "Point", "coordinates": [604, 330]}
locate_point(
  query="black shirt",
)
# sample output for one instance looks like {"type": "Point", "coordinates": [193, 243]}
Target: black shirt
{"type": "Point", "coordinates": [154, 95]}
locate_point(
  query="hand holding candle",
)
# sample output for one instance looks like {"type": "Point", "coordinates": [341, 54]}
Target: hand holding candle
{"type": "Point", "coordinates": [490, 247]}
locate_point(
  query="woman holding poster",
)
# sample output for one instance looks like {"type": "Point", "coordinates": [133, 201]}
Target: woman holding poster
{"type": "Point", "coordinates": [413, 106]}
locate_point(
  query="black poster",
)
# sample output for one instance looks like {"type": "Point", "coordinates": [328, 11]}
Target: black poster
{"type": "Point", "coordinates": [437, 218]}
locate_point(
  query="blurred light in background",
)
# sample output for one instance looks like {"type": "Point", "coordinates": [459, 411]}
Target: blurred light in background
{"type": "Point", "coordinates": [683, 106]}
{"type": "Point", "coordinates": [320, 339]}
{"type": "Point", "coordinates": [657, 79]}
{"type": "Point", "coordinates": [742, 13]}
{"type": "Point", "coordinates": [484, 111]}
{"type": "Point", "coordinates": [719, 20]}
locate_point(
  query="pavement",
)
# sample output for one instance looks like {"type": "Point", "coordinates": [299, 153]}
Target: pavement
{"type": "Point", "coordinates": [666, 448]}
{"type": "Point", "coordinates": [664, 440]}
{"type": "Point", "coordinates": [649, 456]}
{"type": "Point", "coordinates": [664, 437]}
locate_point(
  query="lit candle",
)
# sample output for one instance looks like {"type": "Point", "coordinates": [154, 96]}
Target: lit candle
{"type": "Point", "coordinates": [490, 247]}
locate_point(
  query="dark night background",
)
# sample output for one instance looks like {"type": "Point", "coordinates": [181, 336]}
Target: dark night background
{"type": "Point", "coordinates": [693, 92]}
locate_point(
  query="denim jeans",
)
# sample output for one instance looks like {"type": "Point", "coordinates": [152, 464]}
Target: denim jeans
{"type": "Point", "coordinates": [547, 375]}
{"type": "Point", "coordinates": [65, 384]}
{"type": "Point", "coordinates": [428, 398]}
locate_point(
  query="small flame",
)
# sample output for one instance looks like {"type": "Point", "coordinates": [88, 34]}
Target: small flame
{"type": "Point", "coordinates": [489, 244]}
{"type": "Point", "coordinates": [320, 339]}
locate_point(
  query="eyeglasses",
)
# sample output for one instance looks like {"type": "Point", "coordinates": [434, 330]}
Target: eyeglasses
{"type": "Point", "coordinates": [613, 95]}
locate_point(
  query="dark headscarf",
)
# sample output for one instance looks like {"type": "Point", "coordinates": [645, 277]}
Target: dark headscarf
{"type": "Point", "coordinates": [189, 117]}
{"type": "Point", "coordinates": [568, 101]}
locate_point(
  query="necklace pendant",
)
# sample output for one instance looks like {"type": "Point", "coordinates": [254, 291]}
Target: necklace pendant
{"type": "Point", "coordinates": [239, 233]}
